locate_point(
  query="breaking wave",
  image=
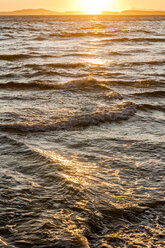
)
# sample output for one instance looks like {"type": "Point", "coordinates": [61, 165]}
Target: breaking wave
{"type": "Point", "coordinates": [114, 95]}
{"type": "Point", "coordinates": [121, 111]}
{"type": "Point", "coordinates": [89, 83]}
{"type": "Point", "coordinates": [85, 83]}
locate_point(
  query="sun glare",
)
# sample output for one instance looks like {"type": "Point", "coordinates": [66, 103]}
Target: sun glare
{"type": "Point", "coordinates": [94, 6]}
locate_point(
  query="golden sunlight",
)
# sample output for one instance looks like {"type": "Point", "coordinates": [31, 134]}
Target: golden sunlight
{"type": "Point", "coordinates": [94, 6]}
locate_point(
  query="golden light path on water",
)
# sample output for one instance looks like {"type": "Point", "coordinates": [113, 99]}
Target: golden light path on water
{"type": "Point", "coordinates": [83, 175]}
{"type": "Point", "coordinates": [76, 172]}
{"type": "Point", "coordinates": [95, 61]}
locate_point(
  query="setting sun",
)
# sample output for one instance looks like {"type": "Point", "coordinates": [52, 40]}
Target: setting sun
{"type": "Point", "coordinates": [94, 6]}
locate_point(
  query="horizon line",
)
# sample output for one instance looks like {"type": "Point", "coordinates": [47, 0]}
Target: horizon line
{"type": "Point", "coordinates": [67, 11]}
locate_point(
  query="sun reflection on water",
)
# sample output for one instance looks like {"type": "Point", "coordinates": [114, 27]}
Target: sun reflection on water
{"type": "Point", "coordinates": [95, 61]}
{"type": "Point", "coordinates": [74, 171]}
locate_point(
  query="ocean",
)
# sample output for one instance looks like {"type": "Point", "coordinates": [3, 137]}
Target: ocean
{"type": "Point", "coordinates": [82, 132]}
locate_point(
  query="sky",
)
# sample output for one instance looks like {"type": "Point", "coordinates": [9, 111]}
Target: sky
{"type": "Point", "coordinates": [82, 5]}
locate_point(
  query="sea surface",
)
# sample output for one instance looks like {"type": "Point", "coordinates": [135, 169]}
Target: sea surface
{"type": "Point", "coordinates": [82, 132]}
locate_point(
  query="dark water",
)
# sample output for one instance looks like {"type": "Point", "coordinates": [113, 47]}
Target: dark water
{"type": "Point", "coordinates": [82, 132]}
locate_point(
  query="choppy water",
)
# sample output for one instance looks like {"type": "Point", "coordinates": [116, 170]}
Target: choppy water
{"type": "Point", "coordinates": [82, 132]}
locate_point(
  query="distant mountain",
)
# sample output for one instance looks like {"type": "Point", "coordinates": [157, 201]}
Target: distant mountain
{"type": "Point", "coordinates": [31, 12]}
{"type": "Point", "coordinates": [142, 12]}
{"type": "Point", "coordinates": [134, 12]}
{"type": "Point", "coordinates": [38, 12]}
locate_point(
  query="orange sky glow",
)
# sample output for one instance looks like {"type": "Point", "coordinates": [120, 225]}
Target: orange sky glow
{"type": "Point", "coordinates": [88, 6]}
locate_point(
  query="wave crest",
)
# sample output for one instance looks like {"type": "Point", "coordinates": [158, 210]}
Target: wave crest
{"type": "Point", "coordinates": [82, 84]}
{"type": "Point", "coordinates": [121, 111]}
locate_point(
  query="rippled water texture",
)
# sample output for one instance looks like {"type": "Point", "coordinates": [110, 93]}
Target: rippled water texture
{"type": "Point", "coordinates": [82, 132]}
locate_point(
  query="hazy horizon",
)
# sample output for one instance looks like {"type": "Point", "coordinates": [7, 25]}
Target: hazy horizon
{"type": "Point", "coordinates": [42, 11]}
{"type": "Point", "coordinates": [132, 9]}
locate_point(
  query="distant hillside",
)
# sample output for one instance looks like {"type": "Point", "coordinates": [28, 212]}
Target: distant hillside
{"type": "Point", "coordinates": [30, 12]}
{"type": "Point", "coordinates": [134, 12]}
{"type": "Point", "coordinates": [142, 12]}
{"type": "Point", "coordinates": [49, 12]}
{"type": "Point", "coordinates": [40, 12]}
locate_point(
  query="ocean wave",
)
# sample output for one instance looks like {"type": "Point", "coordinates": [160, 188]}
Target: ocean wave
{"type": "Point", "coordinates": [7, 76]}
{"type": "Point", "coordinates": [105, 34]}
{"type": "Point", "coordinates": [137, 83]}
{"type": "Point", "coordinates": [148, 107]}
{"type": "Point", "coordinates": [10, 140]}
{"type": "Point", "coordinates": [150, 62]}
{"type": "Point", "coordinates": [115, 53]}
{"type": "Point", "coordinates": [129, 211]}
{"type": "Point", "coordinates": [79, 54]}
{"type": "Point", "coordinates": [57, 65]}
{"type": "Point", "coordinates": [66, 65]}
{"type": "Point", "coordinates": [114, 95]}
{"type": "Point", "coordinates": [121, 111]}
{"type": "Point", "coordinates": [85, 83]}
{"type": "Point", "coordinates": [88, 83]}
{"type": "Point", "coordinates": [13, 57]}
{"type": "Point", "coordinates": [40, 38]}
{"type": "Point", "coordinates": [143, 39]}
{"type": "Point", "coordinates": [81, 34]}
{"type": "Point", "coordinates": [119, 31]}
{"type": "Point", "coordinates": [158, 93]}
{"type": "Point", "coordinates": [46, 55]}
